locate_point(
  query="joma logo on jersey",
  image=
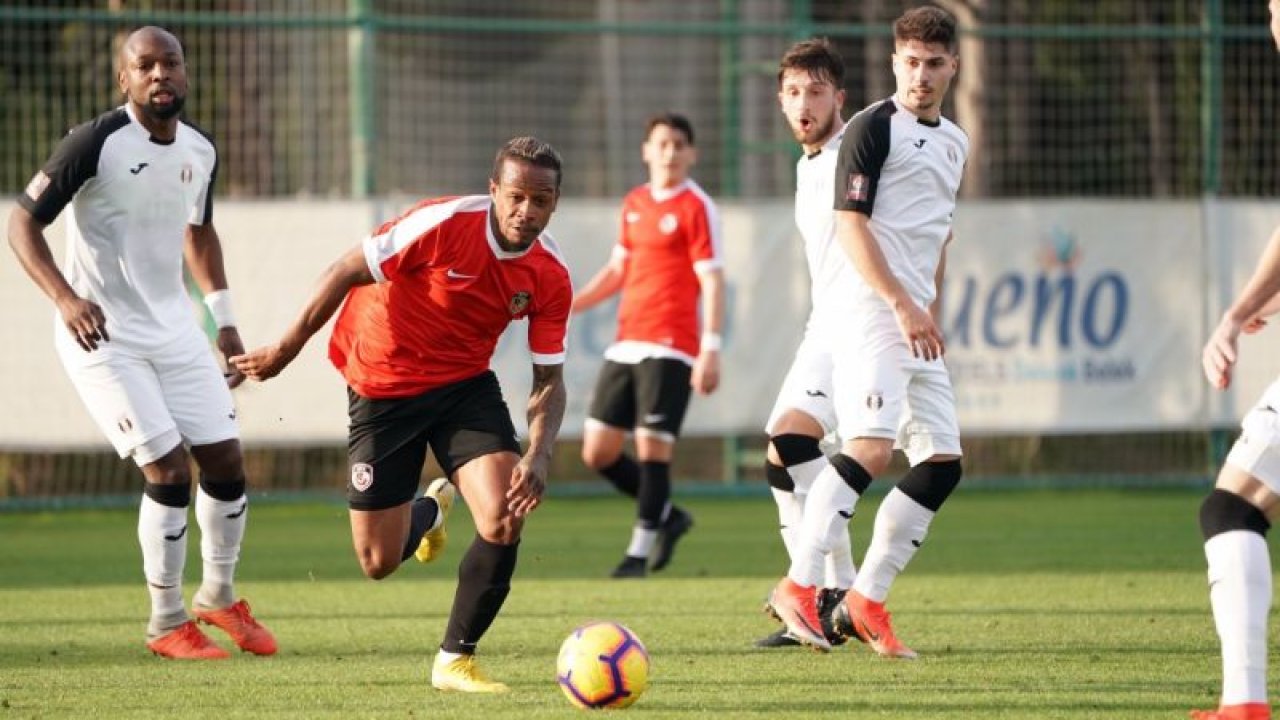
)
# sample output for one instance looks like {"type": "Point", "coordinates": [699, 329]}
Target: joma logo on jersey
{"type": "Point", "coordinates": [519, 302]}
{"type": "Point", "coordinates": [857, 188]}
{"type": "Point", "coordinates": [185, 175]}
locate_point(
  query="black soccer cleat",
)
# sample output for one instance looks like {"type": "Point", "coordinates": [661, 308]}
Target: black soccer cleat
{"type": "Point", "coordinates": [840, 622]}
{"type": "Point", "coordinates": [678, 523]}
{"type": "Point", "coordinates": [777, 639]}
{"type": "Point", "coordinates": [630, 567]}
{"type": "Point", "coordinates": [830, 607]}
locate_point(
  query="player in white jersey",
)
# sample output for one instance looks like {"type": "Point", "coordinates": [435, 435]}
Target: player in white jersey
{"type": "Point", "coordinates": [897, 175]}
{"type": "Point", "coordinates": [811, 95]}
{"type": "Point", "coordinates": [138, 180]}
{"type": "Point", "coordinates": [1237, 514]}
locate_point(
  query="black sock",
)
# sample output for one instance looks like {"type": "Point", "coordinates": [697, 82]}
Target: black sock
{"type": "Point", "coordinates": [624, 473]}
{"type": "Point", "coordinates": [655, 492]}
{"type": "Point", "coordinates": [484, 579]}
{"type": "Point", "coordinates": [422, 513]}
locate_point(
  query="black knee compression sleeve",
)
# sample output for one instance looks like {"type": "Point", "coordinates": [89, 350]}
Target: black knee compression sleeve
{"type": "Point", "coordinates": [931, 483]}
{"type": "Point", "coordinates": [1224, 511]}
{"type": "Point", "coordinates": [795, 449]}
{"type": "Point", "coordinates": [852, 472]}
{"type": "Point", "coordinates": [174, 496]}
{"type": "Point", "coordinates": [224, 490]}
{"type": "Point", "coordinates": [778, 477]}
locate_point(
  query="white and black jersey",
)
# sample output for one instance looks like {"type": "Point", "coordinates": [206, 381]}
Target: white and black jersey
{"type": "Point", "coordinates": [903, 173]}
{"type": "Point", "coordinates": [131, 198]}
{"type": "Point", "coordinates": [831, 273]}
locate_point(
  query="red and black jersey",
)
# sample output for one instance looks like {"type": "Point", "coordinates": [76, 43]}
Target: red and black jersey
{"type": "Point", "coordinates": [445, 292]}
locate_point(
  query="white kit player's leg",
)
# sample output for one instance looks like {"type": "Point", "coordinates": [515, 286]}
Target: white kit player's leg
{"type": "Point", "coordinates": [1234, 527]}
{"type": "Point", "coordinates": [222, 523]}
{"type": "Point", "coordinates": [828, 508]}
{"type": "Point", "coordinates": [162, 534]}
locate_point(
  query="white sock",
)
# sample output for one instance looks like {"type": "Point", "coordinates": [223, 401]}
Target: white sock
{"type": "Point", "coordinates": [900, 527]}
{"type": "Point", "coordinates": [162, 533]}
{"type": "Point", "coordinates": [840, 570]}
{"type": "Point", "coordinates": [790, 516]}
{"type": "Point", "coordinates": [1240, 592]}
{"type": "Point", "coordinates": [827, 508]}
{"type": "Point", "coordinates": [642, 542]}
{"type": "Point", "coordinates": [221, 532]}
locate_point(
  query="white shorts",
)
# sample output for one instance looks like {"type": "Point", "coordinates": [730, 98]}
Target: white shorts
{"type": "Point", "coordinates": [887, 393]}
{"type": "Point", "coordinates": [1257, 450]}
{"type": "Point", "coordinates": [807, 386]}
{"type": "Point", "coordinates": [136, 399]}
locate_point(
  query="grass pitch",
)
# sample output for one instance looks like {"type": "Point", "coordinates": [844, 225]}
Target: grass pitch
{"type": "Point", "coordinates": [1027, 604]}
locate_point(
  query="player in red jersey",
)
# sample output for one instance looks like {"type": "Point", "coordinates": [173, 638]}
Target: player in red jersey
{"type": "Point", "coordinates": [668, 254]}
{"type": "Point", "coordinates": [427, 296]}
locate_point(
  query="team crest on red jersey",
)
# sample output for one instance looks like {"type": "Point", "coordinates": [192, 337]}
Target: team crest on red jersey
{"type": "Point", "coordinates": [519, 302]}
{"type": "Point", "coordinates": [668, 224]}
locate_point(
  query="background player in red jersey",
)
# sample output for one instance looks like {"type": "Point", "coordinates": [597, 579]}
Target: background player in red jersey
{"type": "Point", "coordinates": [427, 297]}
{"type": "Point", "coordinates": [668, 254]}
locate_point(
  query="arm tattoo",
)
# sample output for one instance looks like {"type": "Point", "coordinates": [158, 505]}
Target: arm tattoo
{"type": "Point", "coordinates": [546, 407]}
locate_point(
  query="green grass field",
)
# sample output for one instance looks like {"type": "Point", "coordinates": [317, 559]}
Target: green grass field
{"type": "Point", "coordinates": [1026, 604]}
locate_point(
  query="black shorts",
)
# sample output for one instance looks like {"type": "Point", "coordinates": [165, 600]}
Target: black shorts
{"type": "Point", "coordinates": [652, 394]}
{"type": "Point", "coordinates": [388, 439]}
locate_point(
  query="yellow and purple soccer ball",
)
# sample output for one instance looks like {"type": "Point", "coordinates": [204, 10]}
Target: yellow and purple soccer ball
{"type": "Point", "coordinates": [602, 665]}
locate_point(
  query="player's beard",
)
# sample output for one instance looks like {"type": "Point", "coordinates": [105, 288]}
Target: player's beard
{"type": "Point", "coordinates": [817, 133]}
{"type": "Point", "coordinates": [168, 112]}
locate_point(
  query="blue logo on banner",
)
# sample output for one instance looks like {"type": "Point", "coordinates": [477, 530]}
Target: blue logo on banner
{"type": "Point", "coordinates": [1056, 311]}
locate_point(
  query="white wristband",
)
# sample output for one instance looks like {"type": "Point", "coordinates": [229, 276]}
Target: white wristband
{"type": "Point", "coordinates": [711, 341]}
{"type": "Point", "coordinates": [219, 304]}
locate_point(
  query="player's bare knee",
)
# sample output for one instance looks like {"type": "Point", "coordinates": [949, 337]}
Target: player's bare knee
{"type": "Point", "coordinates": [376, 565]}
{"type": "Point", "coordinates": [167, 472]}
{"type": "Point", "coordinates": [220, 460]}
{"type": "Point", "coordinates": [503, 529]}
{"type": "Point", "coordinates": [1224, 511]}
{"type": "Point", "coordinates": [873, 457]}
{"type": "Point", "coordinates": [598, 458]}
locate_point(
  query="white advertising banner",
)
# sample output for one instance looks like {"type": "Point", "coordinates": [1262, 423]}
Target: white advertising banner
{"type": "Point", "coordinates": [1075, 316]}
{"type": "Point", "coordinates": [1060, 316]}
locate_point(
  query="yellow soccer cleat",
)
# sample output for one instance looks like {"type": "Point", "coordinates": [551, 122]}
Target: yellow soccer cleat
{"type": "Point", "coordinates": [432, 544]}
{"type": "Point", "coordinates": [462, 674]}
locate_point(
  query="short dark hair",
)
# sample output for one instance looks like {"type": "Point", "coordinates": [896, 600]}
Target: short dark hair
{"type": "Point", "coordinates": [927, 24]}
{"type": "Point", "coordinates": [675, 121]}
{"type": "Point", "coordinates": [527, 148]}
{"type": "Point", "coordinates": [816, 56]}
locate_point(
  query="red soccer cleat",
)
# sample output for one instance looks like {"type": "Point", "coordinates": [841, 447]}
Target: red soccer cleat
{"type": "Point", "coordinates": [796, 606]}
{"type": "Point", "coordinates": [872, 625]}
{"type": "Point", "coordinates": [1246, 711]}
{"type": "Point", "coordinates": [238, 622]}
{"type": "Point", "coordinates": [187, 643]}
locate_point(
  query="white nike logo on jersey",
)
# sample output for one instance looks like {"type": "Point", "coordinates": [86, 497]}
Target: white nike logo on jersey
{"type": "Point", "coordinates": [454, 274]}
{"type": "Point", "coordinates": [654, 418]}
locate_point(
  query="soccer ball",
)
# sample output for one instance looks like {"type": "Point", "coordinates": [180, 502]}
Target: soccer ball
{"type": "Point", "coordinates": [602, 665]}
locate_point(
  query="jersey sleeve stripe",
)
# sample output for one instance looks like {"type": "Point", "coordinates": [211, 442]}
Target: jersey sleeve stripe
{"type": "Point", "coordinates": [377, 248]}
{"type": "Point", "coordinates": [713, 222]}
{"type": "Point", "coordinates": [703, 267]}
{"type": "Point", "coordinates": [545, 359]}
